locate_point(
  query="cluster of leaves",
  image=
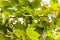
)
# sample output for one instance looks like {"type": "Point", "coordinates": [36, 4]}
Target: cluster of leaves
{"type": "Point", "coordinates": [29, 20]}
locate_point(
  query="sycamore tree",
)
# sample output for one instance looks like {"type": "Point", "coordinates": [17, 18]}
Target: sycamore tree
{"type": "Point", "coordinates": [29, 19]}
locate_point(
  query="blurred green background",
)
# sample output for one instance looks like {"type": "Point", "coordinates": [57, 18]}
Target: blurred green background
{"type": "Point", "coordinates": [29, 19]}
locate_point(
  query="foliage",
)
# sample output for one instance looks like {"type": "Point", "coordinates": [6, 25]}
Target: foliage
{"type": "Point", "coordinates": [29, 20]}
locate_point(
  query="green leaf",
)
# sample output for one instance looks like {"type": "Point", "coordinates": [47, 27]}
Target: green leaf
{"type": "Point", "coordinates": [17, 33]}
{"type": "Point", "coordinates": [49, 34]}
{"type": "Point", "coordinates": [32, 34]}
{"type": "Point", "coordinates": [58, 34]}
{"type": "Point", "coordinates": [2, 37]}
{"type": "Point", "coordinates": [20, 26]}
{"type": "Point", "coordinates": [58, 22]}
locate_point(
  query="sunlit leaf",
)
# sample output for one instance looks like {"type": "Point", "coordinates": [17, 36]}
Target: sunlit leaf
{"type": "Point", "coordinates": [32, 34]}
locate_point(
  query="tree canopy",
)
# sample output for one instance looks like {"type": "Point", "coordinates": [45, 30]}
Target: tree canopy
{"type": "Point", "coordinates": [29, 20]}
